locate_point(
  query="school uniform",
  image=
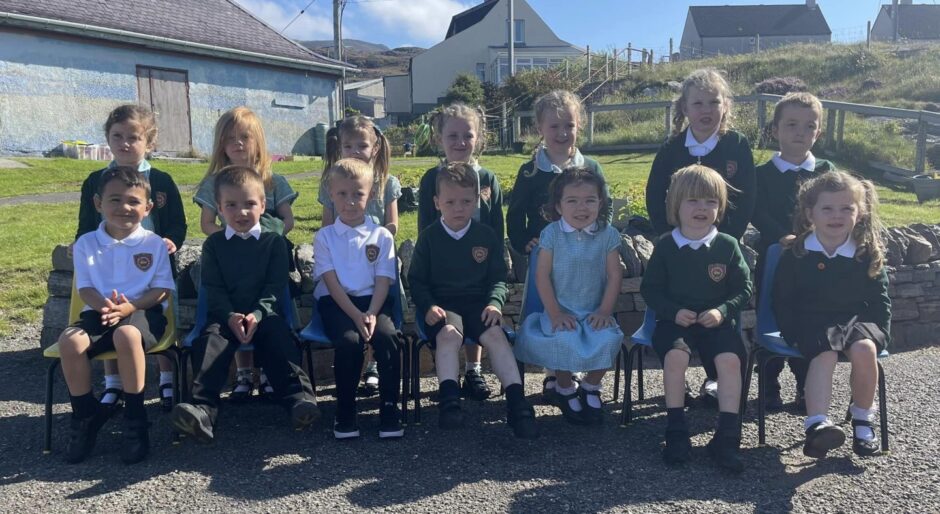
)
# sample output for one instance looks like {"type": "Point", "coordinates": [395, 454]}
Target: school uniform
{"type": "Point", "coordinates": [358, 255]}
{"type": "Point", "coordinates": [167, 218]}
{"type": "Point", "coordinates": [524, 218]}
{"type": "Point", "coordinates": [579, 258]}
{"type": "Point", "coordinates": [375, 207]}
{"type": "Point", "coordinates": [828, 302]}
{"type": "Point", "coordinates": [131, 266]}
{"type": "Point", "coordinates": [489, 209]}
{"type": "Point", "coordinates": [698, 275]}
{"type": "Point", "coordinates": [461, 272]}
{"type": "Point", "coordinates": [246, 273]}
{"type": "Point", "coordinates": [279, 194]}
{"type": "Point", "coordinates": [728, 154]}
{"type": "Point", "coordinates": [778, 186]}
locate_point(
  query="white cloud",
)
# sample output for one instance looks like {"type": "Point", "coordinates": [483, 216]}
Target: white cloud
{"type": "Point", "coordinates": [425, 21]}
{"type": "Point", "coordinates": [310, 25]}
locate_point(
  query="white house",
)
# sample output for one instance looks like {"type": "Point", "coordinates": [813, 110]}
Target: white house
{"type": "Point", "coordinates": [65, 64]}
{"type": "Point", "coordinates": [476, 43]}
{"type": "Point", "coordinates": [367, 97]}
{"type": "Point", "coordinates": [914, 22]}
{"type": "Point", "coordinates": [737, 29]}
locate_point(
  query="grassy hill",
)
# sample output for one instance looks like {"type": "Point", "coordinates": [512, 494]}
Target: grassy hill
{"type": "Point", "coordinates": [373, 60]}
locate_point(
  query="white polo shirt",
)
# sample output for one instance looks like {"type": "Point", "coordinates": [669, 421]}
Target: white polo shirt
{"type": "Point", "coordinates": [356, 254]}
{"type": "Point", "coordinates": [131, 266]}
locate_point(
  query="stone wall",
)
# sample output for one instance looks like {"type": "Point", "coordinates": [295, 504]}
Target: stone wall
{"type": "Point", "coordinates": [914, 276]}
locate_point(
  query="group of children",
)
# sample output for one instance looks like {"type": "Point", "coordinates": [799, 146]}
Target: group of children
{"type": "Point", "coordinates": [830, 293]}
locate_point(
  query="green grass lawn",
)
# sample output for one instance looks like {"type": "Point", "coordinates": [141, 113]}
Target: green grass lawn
{"type": "Point", "coordinates": [33, 230]}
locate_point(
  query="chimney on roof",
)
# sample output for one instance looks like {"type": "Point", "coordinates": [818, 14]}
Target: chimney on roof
{"type": "Point", "coordinates": [811, 4]}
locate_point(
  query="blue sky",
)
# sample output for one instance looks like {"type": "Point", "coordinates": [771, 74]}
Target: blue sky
{"type": "Point", "coordinates": [601, 24]}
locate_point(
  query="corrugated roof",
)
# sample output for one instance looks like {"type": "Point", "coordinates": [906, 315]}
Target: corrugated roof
{"type": "Point", "coordinates": [766, 20]}
{"type": "Point", "coordinates": [916, 21]}
{"type": "Point", "coordinates": [220, 23]}
{"type": "Point", "coordinates": [470, 17]}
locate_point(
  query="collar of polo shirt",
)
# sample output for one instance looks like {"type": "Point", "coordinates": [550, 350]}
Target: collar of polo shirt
{"type": "Point", "coordinates": [784, 166]}
{"type": "Point", "coordinates": [846, 249]}
{"type": "Point", "coordinates": [105, 239]}
{"type": "Point", "coordinates": [364, 228]}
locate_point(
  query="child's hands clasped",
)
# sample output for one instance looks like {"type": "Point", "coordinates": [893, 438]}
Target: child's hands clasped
{"type": "Point", "coordinates": [686, 318]}
{"type": "Point", "coordinates": [491, 316]}
{"type": "Point", "coordinates": [116, 308]}
{"type": "Point", "coordinates": [434, 315]}
{"type": "Point", "coordinates": [365, 324]}
{"type": "Point", "coordinates": [710, 318]}
{"type": "Point", "coordinates": [600, 320]}
{"type": "Point", "coordinates": [243, 326]}
{"type": "Point", "coordinates": [170, 246]}
{"type": "Point", "coordinates": [531, 244]}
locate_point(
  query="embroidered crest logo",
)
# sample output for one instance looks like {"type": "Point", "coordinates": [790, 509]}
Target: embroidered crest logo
{"type": "Point", "coordinates": [717, 272]}
{"type": "Point", "coordinates": [372, 252]}
{"type": "Point", "coordinates": [731, 168]}
{"type": "Point", "coordinates": [480, 253]}
{"type": "Point", "coordinates": [161, 199]}
{"type": "Point", "coordinates": [486, 193]}
{"type": "Point", "coordinates": [143, 261]}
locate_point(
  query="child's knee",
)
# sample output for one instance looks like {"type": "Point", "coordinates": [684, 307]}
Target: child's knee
{"type": "Point", "coordinates": [73, 341]}
{"type": "Point", "coordinates": [127, 336]}
{"type": "Point", "coordinates": [448, 339]}
{"type": "Point", "coordinates": [728, 362]}
{"type": "Point", "coordinates": [864, 349]}
{"type": "Point", "coordinates": [494, 337]}
{"type": "Point", "coordinates": [676, 361]}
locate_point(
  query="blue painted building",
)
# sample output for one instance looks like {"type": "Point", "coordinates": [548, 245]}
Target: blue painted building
{"type": "Point", "coordinates": [64, 64]}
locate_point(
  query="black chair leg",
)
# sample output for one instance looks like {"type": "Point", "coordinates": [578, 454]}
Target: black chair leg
{"type": "Point", "coordinates": [640, 396]}
{"type": "Point", "coordinates": [416, 380]}
{"type": "Point", "coordinates": [177, 394]}
{"type": "Point", "coordinates": [761, 397]}
{"type": "Point", "coordinates": [883, 409]}
{"type": "Point", "coordinates": [405, 378]}
{"type": "Point", "coordinates": [626, 413]}
{"type": "Point", "coordinates": [617, 373]}
{"type": "Point", "coordinates": [50, 383]}
{"type": "Point", "coordinates": [747, 371]}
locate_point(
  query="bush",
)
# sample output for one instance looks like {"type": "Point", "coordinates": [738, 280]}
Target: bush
{"type": "Point", "coordinates": [467, 89]}
{"type": "Point", "coordinates": [780, 86]}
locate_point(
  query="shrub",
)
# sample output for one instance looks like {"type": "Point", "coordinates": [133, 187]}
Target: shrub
{"type": "Point", "coordinates": [780, 85]}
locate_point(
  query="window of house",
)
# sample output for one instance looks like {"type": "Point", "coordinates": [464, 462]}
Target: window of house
{"type": "Point", "coordinates": [519, 31]}
{"type": "Point", "coordinates": [481, 71]}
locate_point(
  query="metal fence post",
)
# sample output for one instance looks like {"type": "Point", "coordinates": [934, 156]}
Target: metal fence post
{"type": "Point", "coordinates": [590, 127]}
{"type": "Point", "coordinates": [840, 137]}
{"type": "Point", "coordinates": [668, 121]}
{"type": "Point", "coordinates": [761, 122]}
{"type": "Point", "coordinates": [920, 163]}
{"type": "Point", "coordinates": [830, 129]}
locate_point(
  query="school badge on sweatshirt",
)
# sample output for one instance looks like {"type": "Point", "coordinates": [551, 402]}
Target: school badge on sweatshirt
{"type": "Point", "coordinates": [372, 252]}
{"type": "Point", "coordinates": [161, 199]}
{"type": "Point", "coordinates": [480, 253]}
{"type": "Point", "coordinates": [717, 272]}
{"type": "Point", "coordinates": [486, 193]}
{"type": "Point", "coordinates": [143, 261]}
{"type": "Point", "coordinates": [731, 168]}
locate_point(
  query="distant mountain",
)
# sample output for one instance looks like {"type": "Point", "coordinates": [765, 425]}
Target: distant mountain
{"type": "Point", "coordinates": [373, 60]}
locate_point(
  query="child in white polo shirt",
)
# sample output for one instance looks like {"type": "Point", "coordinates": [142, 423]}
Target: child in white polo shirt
{"type": "Point", "coordinates": [122, 272]}
{"type": "Point", "coordinates": [356, 266]}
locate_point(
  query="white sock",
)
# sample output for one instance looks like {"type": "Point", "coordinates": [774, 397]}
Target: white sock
{"type": "Point", "coordinates": [574, 403]}
{"type": "Point", "coordinates": [594, 401]}
{"type": "Point", "coordinates": [859, 413]}
{"type": "Point", "coordinates": [474, 366]}
{"type": "Point", "coordinates": [166, 377]}
{"type": "Point", "coordinates": [818, 418]}
{"type": "Point", "coordinates": [265, 384]}
{"type": "Point", "coordinates": [111, 382]}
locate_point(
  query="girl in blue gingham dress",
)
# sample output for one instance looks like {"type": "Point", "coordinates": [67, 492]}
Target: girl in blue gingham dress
{"type": "Point", "coordinates": [578, 278]}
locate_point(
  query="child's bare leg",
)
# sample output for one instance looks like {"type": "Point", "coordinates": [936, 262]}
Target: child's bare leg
{"type": "Point", "coordinates": [501, 357]}
{"type": "Point", "coordinates": [819, 384]}
{"type": "Point", "coordinates": [73, 343]}
{"type": "Point", "coordinates": [244, 360]}
{"type": "Point", "coordinates": [864, 358]}
{"type": "Point", "coordinates": [674, 367]}
{"type": "Point", "coordinates": [473, 352]}
{"type": "Point", "coordinates": [131, 359]}
{"type": "Point", "coordinates": [446, 358]}
{"type": "Point", "coordinates": [595, 377]}
{"type": "Point", "coordinates": [564, 378]}
{"type": "Point", "coordinates": [729, 382]}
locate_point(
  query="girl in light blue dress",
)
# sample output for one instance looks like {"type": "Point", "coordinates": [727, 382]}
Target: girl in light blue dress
{"type": "Point", "coordinates": [578, 278]}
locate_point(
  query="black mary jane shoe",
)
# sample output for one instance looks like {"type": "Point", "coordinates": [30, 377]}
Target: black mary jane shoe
{"type": "Point", "coordinates": [550, 394]}
{"type": "Point", "coordinates": [864, 447]}
{"type": "Point", "coordinates": [822, 437]}
{"type": "Point", "coordinates": [166, 400]}
{"type": "Point", "coordinates": [571, 416]}
{"type": "Point", "coordinates": [591, 415]}
{"type": "Point", "coordinates": [108, 410]}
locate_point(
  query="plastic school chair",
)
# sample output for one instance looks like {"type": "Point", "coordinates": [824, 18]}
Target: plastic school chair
{"type": "Point", "coordinates": [771, 345]}
{"type": "Point", "coordinates": [642, 339]}
{"type": "Point", "coordinates": [285, 306]}
{"type": "Point", "coordinates": [313, 337]}
{"type": "Point", "coordinates": [165, 346]}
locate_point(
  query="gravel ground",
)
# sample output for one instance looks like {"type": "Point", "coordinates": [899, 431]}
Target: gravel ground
{"type": "Point", "coordinates": [259, 464]}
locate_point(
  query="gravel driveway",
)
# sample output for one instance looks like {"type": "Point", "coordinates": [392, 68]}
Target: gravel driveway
{"type": "Point", "coordinates": [259, 464]}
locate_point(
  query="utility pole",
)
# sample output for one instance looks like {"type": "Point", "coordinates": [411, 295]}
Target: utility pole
{"type": "Point", "coordinates": [512, 39]}
{"type": "Point", "coordinates": [338, 6]}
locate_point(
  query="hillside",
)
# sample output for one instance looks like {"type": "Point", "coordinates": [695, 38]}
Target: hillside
{"type": "Point", "coordinates": [374, 60]}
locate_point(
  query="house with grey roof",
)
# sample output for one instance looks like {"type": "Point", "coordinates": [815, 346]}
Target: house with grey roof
{"type": "Point", "coordinates": [914, 22]}
{"type": "Point", "coordinates": [476, 43]}
{"type": "Point", "coordinates": [738, 29]}
{"type": "Point", "coordinates": [65, 64]}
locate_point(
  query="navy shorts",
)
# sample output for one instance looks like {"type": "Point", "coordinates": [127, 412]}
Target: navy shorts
{"type": "Point", "coordinates": [151, 323]}
{"type": "Point", "coordinates": [709, 342]}
{"type": "Point", "coordinates": [465, 315]}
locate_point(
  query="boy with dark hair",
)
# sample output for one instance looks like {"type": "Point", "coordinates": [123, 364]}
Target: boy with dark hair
{"type": "Point", "coordinates": [244, 272]}
{"type": "Point", "coordinates": [460, 291]}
